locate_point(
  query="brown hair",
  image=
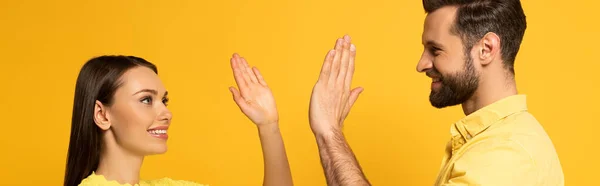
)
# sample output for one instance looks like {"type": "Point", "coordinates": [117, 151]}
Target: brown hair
{"type": "Point", "coordinates": [475, 18]}
{"type": "Point", "coordinates": [97, 80]}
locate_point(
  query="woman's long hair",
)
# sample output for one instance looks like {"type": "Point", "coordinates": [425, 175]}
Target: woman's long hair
{"type": "Point", "coordinates": [98, 80]}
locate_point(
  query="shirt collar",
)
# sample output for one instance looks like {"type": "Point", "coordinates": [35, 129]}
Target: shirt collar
{"type": "Point", "coordinates": [478, 121]}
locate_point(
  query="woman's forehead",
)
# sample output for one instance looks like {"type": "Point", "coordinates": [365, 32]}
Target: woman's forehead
{"type": "Point", "coordinates": [141, 78]}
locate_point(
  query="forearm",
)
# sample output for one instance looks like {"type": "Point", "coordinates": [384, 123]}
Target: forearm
{"type": "Point", "coordinates": [276, 167]}
{"type": "Point", "coordinates": [339, 163]}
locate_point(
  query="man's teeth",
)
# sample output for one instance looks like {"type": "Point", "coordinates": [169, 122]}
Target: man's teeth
{"type": "Point", "coordinates": [436, 79]}
{"type": "Point", "coordinates": [157, 131]}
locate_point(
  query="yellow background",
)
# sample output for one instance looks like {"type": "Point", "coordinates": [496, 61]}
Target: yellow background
{"type": "Point", "coordinates": [397, 136]}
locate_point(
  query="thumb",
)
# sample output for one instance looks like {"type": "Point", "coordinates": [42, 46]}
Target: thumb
{"type": "Point", "coordinates": [236, 96]}
{"type": "Point", "coordinates": [354, 93]}
{"type": "Point", "coordinates": [354, 96]}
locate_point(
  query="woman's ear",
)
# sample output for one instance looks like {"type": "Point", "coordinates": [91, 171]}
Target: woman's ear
{"type": "Point", "coordinates": [101, 116]}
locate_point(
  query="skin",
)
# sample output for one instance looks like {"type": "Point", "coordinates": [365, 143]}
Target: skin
{"type": "Point", "coordinates": [332, 97]}
{"type": "Point", "coordinates": [256, 101]}
{"type": "Point", "coordinates": [141, 104]}
{"type": "Point", "coordinates": [330, 103]}
{"type": "Point", "coordinates": [495, 81]}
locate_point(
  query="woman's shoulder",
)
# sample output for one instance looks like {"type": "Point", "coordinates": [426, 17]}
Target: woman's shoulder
{"type": "Point", "coordinates": [99, 180]}
{"type": "Point", "coordinates": [169, 182]}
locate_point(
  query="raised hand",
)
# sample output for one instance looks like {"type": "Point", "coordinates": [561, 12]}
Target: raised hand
{"type": "Point", "coordinates": [256, 101]}
{"type": "Point", "coordinates": [332, 97]}
{"type": "Point", "coordinates": [254, 96]}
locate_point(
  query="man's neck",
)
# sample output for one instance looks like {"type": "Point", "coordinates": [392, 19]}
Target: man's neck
{"type": "Point", "coordinates": [490, 92]}
{"type": "Point", "coordinates": [119, 165]}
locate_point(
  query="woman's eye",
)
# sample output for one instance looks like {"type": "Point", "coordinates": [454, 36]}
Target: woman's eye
{"type": "Point", "coordinates": [165, 101]}
{"type": "Point", "coordinates": [146, 100]}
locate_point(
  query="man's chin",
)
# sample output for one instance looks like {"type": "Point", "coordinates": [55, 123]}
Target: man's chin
{"type": "Point", "coordinates": [438, 105]}
{"type": "Point", "coordinates": [438, 101]}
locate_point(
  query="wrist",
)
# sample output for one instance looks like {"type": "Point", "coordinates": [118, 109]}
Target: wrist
{"type": "Point", "coordinates": [268, 127]}
{"type": "Point", "coordinates": [328, 133]}
{"type": "Point", "coordinates": [332, 138]}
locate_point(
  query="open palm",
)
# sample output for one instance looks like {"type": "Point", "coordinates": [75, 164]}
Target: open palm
{"type": "Point", "coordinates": [254, 96]}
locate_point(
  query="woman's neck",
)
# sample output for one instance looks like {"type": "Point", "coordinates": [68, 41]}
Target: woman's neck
{"type": "Point", "coordinates": [118, 164]}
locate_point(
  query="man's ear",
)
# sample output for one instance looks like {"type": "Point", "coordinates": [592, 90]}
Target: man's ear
{"type": "Point", "coordinates": [101, 116]}
{"type": "Point", "coordinates": [490, 48]}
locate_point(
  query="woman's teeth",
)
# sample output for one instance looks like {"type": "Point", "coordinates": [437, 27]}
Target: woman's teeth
{"type": "Point", "coordinates": [157, 131]}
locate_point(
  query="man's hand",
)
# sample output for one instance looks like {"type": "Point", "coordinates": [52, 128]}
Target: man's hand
{"type": "Point", "coordinates": [332, 98]}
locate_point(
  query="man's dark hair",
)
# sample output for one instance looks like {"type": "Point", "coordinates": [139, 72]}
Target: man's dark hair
{"type": "Point", "coordinates": [475, 18]}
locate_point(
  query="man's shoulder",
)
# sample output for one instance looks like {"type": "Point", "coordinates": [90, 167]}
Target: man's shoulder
{"type": "Point", "coordinates": [517, 126]}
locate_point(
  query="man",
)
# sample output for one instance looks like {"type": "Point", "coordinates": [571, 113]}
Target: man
{"type": "Point", "coordinates": [470, 49]}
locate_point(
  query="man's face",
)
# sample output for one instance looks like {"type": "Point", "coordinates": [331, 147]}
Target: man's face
{"type": "Point", "coordinates": [454, 78]}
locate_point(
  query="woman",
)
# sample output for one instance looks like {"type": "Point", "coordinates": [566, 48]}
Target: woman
{"type": "Point", "coordinates": [120, 115]}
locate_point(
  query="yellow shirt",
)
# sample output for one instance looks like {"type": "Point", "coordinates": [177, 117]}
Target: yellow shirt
{"type": "Point", "coordinates": [99, 180]}
{"type": "Point", "coordinates": [500, 144]}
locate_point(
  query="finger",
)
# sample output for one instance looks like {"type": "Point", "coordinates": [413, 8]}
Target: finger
{"type": "Point", "coordinates": [354, 96]}
{"type": "Point", "coordinates": [347, 39]}
{"type": "Point", "coordinates": [350, 73]}
{"type": "Point", "coordinates": [249, 71]}
{"type": "Point", "coordinates": [344, 63]}
{"type": "Point", "coordinates": [335, 65]}
{"type": "Point", "coordinates": [237, 74]}
{"type": "Point", "coordinates": [237, 97]}
{"type": "Point", "coordinates": [326, 69]}
{"type": "Point", "coordinates": [259, 76]}
{"type": "Point", "coordinates": [240, 66]}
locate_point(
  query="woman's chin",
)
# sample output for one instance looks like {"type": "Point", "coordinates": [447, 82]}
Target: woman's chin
{"type": "Point", "coordinates": [157, 149]}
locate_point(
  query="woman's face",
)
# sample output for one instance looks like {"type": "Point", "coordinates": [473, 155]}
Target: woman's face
{"type": "Point", "coordinates": [139, 117]}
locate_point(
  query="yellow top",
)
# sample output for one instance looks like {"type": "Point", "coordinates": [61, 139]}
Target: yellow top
{"type": "Point", "coordinates": [99, 180]}
{"type": "Point", "coordinates": [500, 144]}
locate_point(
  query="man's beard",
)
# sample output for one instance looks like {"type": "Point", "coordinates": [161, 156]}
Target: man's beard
{"type": "Point", "coordinates": [455, 88]}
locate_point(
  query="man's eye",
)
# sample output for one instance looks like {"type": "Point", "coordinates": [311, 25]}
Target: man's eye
{"type": "Point", "coordinates": [434, 51]}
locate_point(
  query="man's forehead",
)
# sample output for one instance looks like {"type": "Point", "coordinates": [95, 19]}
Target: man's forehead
{"type": "Point", "coordinates": [438, 22]}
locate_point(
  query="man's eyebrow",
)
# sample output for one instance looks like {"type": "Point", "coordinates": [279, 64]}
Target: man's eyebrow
{"type": "Point", "coordinates": [433, 43]}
